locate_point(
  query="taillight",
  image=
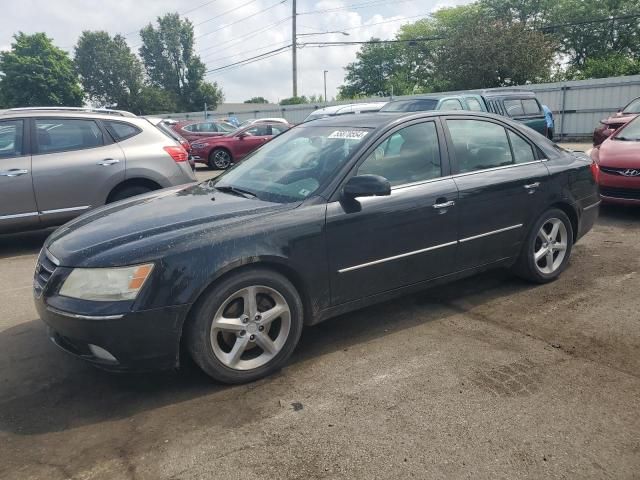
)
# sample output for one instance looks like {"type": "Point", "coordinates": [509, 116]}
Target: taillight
{"type": "Point", "coordinates": [179, 154]}
{"type": "Point", "coordinates": [595, 171]}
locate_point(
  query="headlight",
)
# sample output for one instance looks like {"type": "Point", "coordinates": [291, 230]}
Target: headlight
{"type": "Point", "coordinates": [106, 284]}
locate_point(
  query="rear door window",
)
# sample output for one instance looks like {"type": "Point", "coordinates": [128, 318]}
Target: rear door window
{"type": "Point", "coordinates": [11, 138]}
{"type": "Point", "coordinates": [530, 106]}
{"type": "Point", "coordinates": [513, 107]}
{"type": "Point", "coordinates": [474, 104]}
{"type": "Point", "coordinates": [59, 135]}
{"type": "Point", "coordinates": [120, 130]}
{"type": "Point", "coordinates": [451, 104]}
{"type": "Point", "coordinates": [522, 151]}
{"type": "Point", "coordinates": [479, 145]}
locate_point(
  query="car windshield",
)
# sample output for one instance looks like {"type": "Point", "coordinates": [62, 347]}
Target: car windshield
{"type": "Point", "coordinates": [294, 165]}
{"type": "Point", "coordinates": [418, 105]}
{"type": "Point", "coordinates": [633, 107]}
{"type": "Point", "coordinates": [631, 132]}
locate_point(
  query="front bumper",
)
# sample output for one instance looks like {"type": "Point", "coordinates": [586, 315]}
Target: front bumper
{"type": "Point", "coordinates": [617, 189]}
{"type": "Point", "coordinates": [135, 341]}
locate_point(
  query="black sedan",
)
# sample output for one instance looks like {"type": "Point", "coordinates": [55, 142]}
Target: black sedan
{"type": "Point", "coordinates": [328, 217]}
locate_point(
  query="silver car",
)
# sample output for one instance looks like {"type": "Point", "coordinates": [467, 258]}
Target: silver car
{"type": "Point", "coordinates": [56, 163]}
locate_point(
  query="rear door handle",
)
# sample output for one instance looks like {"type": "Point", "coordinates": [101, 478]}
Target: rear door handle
{"type": "Point", "coordinates": [531, 186]}
{"type": "Point", "coordinates": [15, 172]}
{"type": "Point", "coordinates": [448, 204]}
{"type": "Point", "coordinates": [108, 161]}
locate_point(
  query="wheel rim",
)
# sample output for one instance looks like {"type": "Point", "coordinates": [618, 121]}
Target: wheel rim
{"type": "Point", "coordinates": [221, 159]}
{"type": "Point", "coordinates": [250, 328]}
{"type": "Point", "coordinates": [550, 246]}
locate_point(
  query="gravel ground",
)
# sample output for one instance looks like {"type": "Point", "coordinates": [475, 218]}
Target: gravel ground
{"type": "Point", "coordinates": [489, 377]}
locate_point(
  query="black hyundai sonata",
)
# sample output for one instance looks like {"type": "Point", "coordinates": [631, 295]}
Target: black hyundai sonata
{"type": "Point", "coordinates": [326, 218]}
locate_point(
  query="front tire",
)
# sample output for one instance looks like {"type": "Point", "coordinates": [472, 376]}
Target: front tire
{"type": "Point", "coordinates": [547, 248]}
{"type": "Point", "coordinates": [220, 159]}
{"type": "Point", "coordinates": [246, 327]}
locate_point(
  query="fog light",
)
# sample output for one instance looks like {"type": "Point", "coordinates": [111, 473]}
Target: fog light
{"type": "Point", "coordinates": [102, 354]}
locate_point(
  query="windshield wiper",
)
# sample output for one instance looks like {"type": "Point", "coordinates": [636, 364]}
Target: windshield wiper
{"type": "Point", "coordinates": [235, 190]}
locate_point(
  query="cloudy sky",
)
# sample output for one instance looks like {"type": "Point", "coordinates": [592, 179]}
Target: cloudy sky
{"type": "Point", "coordinates": [228, 31]}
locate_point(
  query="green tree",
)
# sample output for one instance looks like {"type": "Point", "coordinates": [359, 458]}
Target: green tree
{"type": "Point", "coordinates": [37, 73]}
{"type": "Point", "coordinates": [152, 100]}
{"type": "Point", "coordinates": [111, 74]}
{"type": "Point", "coordinates": [167, 52]}
{"type": "Point", "coordinates": [294, 100]}
{"type": "Point", "coordinates": [373, 71]}
{"type": "Point", "coordinates": [610, 66]}
{"type": "Point", "coordinates": [477, 52]}
{"type": "Point", "coordinates": [580, 41]}
{"type": "Point", "coordinates": [257, 100]}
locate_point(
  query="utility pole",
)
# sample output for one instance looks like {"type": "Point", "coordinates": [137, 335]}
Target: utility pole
{"type": "Point", "coordinates": [325, 86]}
{"type": "Point", "coordinates": [294, 47]}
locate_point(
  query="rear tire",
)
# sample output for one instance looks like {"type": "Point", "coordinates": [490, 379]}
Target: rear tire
{"type": "Point", "coordinates": [547, 248]}
{"type": "Point", "coordinates": [220, 159]}
{"type": "Point", "coordinates": [235, 339]}
{"type": "Point", "coordinates": [126, 192]}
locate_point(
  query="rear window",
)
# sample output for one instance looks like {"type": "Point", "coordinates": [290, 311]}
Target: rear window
{"type": "Point", "coordinates": [418, 105]}
{"type": "Point", "coordinates": [120, 130]}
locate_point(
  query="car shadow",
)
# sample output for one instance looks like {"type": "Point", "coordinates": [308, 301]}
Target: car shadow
{"type": "Point", "coordinates": [45, 390]}
{"type": "Point", "coordinates": [23, 243]}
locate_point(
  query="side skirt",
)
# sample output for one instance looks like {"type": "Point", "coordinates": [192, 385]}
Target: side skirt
{"type": "Point", "coordinates": [398, 292]}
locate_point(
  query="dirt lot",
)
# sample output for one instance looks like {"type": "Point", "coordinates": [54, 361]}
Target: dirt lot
{"type": "Point", "coordinates": [485, 378]}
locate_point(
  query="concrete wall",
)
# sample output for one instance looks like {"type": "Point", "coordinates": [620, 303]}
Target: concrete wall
{"type": "Point", "coordinates": [577, 105]}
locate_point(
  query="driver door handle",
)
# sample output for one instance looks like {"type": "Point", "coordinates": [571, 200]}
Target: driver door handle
{"type": "Point", "coordinates": [448, 204]}
{"type": "Point", "coordinates": [531, 186]}
{"type": "Point", "coordinates": [108, 161]}
{"type": "Point", "coordinates": [14, 172]}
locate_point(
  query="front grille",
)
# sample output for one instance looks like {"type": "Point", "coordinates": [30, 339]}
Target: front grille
{"type": "Point", "coordinates": [630, 172]}
{"type": "Point", "coordinates": [44, 270]}
{"type": "Point", "coordinates": [625, 193]}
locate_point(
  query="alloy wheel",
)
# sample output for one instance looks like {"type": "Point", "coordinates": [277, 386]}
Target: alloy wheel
{"type": "Point", "coordinates": [221, 159]}
{"type": "Point", "coordinates": [550, 247]}
{"type": "Point", "coordinates": [250, 328]}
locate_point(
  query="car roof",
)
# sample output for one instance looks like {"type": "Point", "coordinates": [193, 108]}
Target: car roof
{"type": "Point", "coordinates": [29, 113]}
{"type": "Point", "coordinates": [357, 106]}
{"type": "Point", "coordinates": [509, 93]}
{"type": "Point", "coordinates": [385, 119]}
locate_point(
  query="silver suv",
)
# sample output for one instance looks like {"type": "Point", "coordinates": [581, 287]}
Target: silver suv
{"type": "Point", "coordinates": [56, 163]}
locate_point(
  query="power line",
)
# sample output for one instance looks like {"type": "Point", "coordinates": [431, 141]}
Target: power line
{"type": "Point", "coordinates": [246, 61]}
{"type": "Point", "coordinates": [356, 6]}
{"type": "Point", "coordinates": [199, 7]}
{"type": "Point", "coordinates": [247, 51]}
{"type": "Point", "coordinates": [242, 19]}
{"type": "Point", "coordinates": [214, 74]}
{"type": "Point", "coordinates": [244, 37]}
{"type": "Point", "coordinates": [225, 13]}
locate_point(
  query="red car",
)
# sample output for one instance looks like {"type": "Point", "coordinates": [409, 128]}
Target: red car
{"type": "Point", "coordinates": [619, 160]}
{"type": "Point", "coordinates": [614, 122]}
{"type": "Point", "coordinates": [195, 130]}
{"type": "Point", "coordinates": [222, 152]}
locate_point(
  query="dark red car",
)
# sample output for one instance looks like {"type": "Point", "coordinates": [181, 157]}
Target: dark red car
{"type": "Point", "coordinates": [222, 152]}
{"type": "Point", "coordinates": [195, 130]}
{"type": "Point", "coordinates": [619, 160]}
{"type": "Point", "coordinates": [614, 122]}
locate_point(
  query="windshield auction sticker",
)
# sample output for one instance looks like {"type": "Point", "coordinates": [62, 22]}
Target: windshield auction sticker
{"type": "Point", "coordinates": [349, 134]}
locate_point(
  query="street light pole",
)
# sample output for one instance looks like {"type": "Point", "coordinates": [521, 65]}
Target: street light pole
{"type": "Point", "coordinates": [294, 47]}
{"type": "Point", "coordinates": [325, 86]}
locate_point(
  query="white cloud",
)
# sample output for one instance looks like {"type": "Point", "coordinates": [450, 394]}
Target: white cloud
{"type": "Point", "coordinates": [64, 20]}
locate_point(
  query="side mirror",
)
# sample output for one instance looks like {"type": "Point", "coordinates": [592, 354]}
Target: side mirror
{"type": "Point", "coordinates": [243, 135]}
{"type": "Point", "coordinates": [366, 186]}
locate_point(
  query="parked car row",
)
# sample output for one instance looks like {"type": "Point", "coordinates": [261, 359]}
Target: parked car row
{"type": "Point", "coordinates": [56, 163]}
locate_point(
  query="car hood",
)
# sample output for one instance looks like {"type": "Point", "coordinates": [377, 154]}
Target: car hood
{"type": "Point", "coordinates": [150, 224]}
{"type": "Point", "coordinates": [619, 118]}
{"type": "Point", "coordinates": [619, 154]}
